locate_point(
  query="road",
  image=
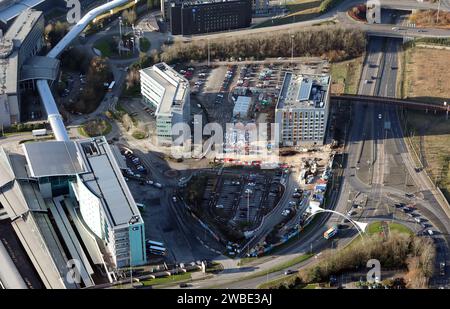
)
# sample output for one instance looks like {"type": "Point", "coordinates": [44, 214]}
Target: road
{"type": "Point", "coordinates": [339, 15]}
{"type": "Point", "coordinates": [386, 168]}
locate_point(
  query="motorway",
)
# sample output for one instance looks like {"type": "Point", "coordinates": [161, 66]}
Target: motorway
{"type": "Point", "coordinates": [382, 166]}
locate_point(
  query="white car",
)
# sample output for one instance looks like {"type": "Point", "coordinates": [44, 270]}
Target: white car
{"type": "Point", "coordinates": [380, 116]}
{"type": "Point", "coordinates": [158, 185]}
{"type": "Point", "coordinates": [174, 198]}
{"type": "Point", "coordinates": [430, 232]}
{"type": "Point", "coordinates": [285, 212]}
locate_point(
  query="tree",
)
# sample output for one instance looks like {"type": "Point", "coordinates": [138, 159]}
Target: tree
{"type": "Point", "coordinates": [129, 16]}
{"type": "Point", "coordinates": [53, 33]}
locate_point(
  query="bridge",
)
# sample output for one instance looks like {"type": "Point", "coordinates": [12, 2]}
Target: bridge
{"type": "Point", "coordinates": [408, 104]}
{"type": "Point", "coordinates": [409, 5]}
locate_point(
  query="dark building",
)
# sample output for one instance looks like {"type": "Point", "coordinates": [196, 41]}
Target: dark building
{"type": "Point", "coordinates": [195, 17]}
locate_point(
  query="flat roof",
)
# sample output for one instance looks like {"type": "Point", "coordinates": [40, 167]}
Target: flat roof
{"type": "Point", "coordinates": [40, 67]}
{"type": "Point", "coordinates": [14, 10]}
{"type": "Point", "coordinates": [175, 85]}
{"type": "Point", "coordinates": [105, 180]}
{"type": "Point", "coordinates": [52, 158]}
{"type": "Point", "coordinates": [9, 46]}
{"type": "Point", "coordinates": [309, 91]}
{"type": "Point", "coordinates": [95, 163]}
{"type": "Point", "coordinates": [22, 26]}
{"type": "Point", "coordinates": [242, 105]}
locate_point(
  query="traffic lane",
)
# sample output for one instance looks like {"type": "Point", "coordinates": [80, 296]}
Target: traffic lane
{"type": "Point", "coordinates": [321, 244]}
{"type": "Point", "coordinates": [187, 248]}
{"type": "Point", "coordinates": [275, 216]}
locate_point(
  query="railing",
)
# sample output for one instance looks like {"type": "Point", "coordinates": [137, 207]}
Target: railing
{"type": "Point", "coordinates": [410, 104]}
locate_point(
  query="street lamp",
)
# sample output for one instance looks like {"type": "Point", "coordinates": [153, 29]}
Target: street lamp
{"type": "Point", "coordinates": [120, 34]}
{"type": "Point", "coordinates": [292, 49]}
{"type": "Point", "coordinates": [209, 54]}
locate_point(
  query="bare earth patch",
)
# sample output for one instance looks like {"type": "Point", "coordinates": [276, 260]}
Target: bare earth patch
{"type": "Point", "coordinates": [427, 74]}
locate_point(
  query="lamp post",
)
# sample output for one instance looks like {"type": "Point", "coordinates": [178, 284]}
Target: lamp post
{"type": "Point", "coordinates": [209, 54]}
{"type": "Point", "coordinates": [292, 49]}
{"type": "Point", "coordinates": [120, 35]}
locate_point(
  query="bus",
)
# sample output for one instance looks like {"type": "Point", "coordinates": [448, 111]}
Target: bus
{"type": "Point", "coordinates": [111, 86]}
{"type": "Point", "coordinates": [155, 243]}
{"type": "Point", "coordinates": [157, 250]}
{"type": "Point", "coordinates": [39, 132]}
{"type": "Point", "coordinates": [330, 232]}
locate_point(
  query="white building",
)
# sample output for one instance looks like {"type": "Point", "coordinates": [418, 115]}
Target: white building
{"type": "Point", "coordinates": [22, 41]}
{"type": "Point", "coordinates": [74, 189]}
{"type": "Point", "coordinates": [302, 109]}
{"type": "Point", "coordinates": [242, 107]}
{"type": "Point", "coordinates": [166, 91]}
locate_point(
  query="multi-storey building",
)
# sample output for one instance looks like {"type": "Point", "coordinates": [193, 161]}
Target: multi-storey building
{"type": "Point", "coordinates": [302, 109]}
{"type": "Point", "coordinates": [205, 16]}
{"type": "Point", "coordinates": [166, 91]}
{"type": "Point", "coordinates": [68, 201]}
{"type": "Point", "coordinates": [18, 48]}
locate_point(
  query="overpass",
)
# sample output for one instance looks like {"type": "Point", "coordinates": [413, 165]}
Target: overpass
{"type": "Point", "coordinates": [375, 7]}
{"type": "Point", "coordinates": [409, 5]}
{"type": "Point", "coordinates": [408, 104]}
{"type": "Point", "coordinates": [54, 117]}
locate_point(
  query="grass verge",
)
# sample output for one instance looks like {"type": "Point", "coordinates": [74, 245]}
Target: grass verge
{"type": "Point", "coordinates": [376, 227]}
{"type": "Point", "coordinates": [167, 280]}
{"type": "Point", "coordinates": [345, 76]}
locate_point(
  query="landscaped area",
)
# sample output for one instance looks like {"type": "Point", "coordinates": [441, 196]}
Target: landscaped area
{"type": "Point", "coordinates": [144, 44]}
{"type": "Point", "coordinates": [138, 134]}
{"type": "Point", "coordinates": [377, 227]}
{"type": "Point", "coordinates": [96, 127]}
{"type": "Point", "coordinates": [345, 76]}
{"type": "Point", "coordinates": [108, 47]}
{"type": "Point", "coordinates": [395, 250]}
{"type": "Point", "coordinates": [167, 280]}
{"type": "Point", "coordinates": [430, 136]}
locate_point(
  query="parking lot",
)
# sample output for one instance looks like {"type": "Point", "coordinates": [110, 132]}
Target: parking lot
{"type": "Point", "coordinates": [235, 200]}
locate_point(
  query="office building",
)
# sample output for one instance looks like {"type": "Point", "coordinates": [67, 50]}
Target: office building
{"type": "Point", "coordinates": [10, 9]}
{"type": "Point", "coordinates": [260, 7]}
{"type": "Point", "coordinates": [19, 65]}
{"type": "Point", "coordinates": [196, 17]}
{"type": "Point", "coordinates": [167, 92]}
{"type": "Point", "coordinates": [302, 109]}
{"type": "Point", "coordinates": [75, 190]}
